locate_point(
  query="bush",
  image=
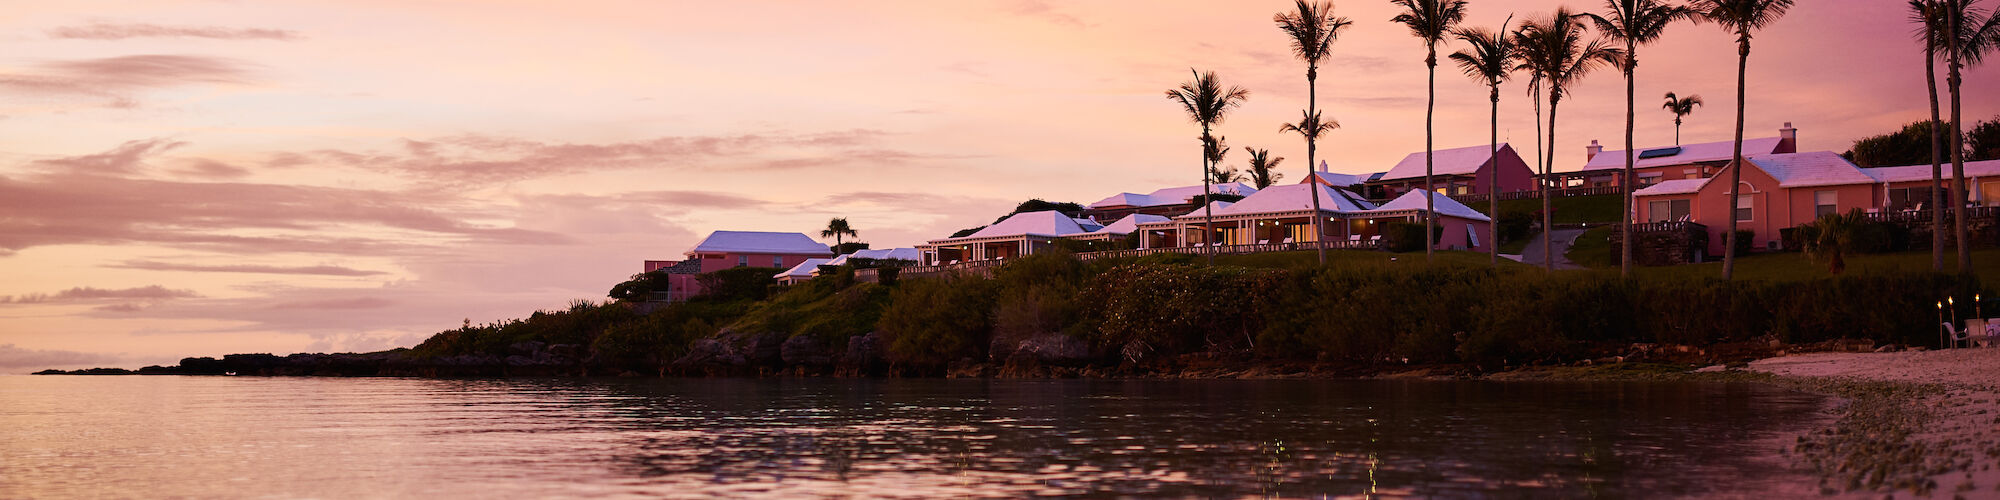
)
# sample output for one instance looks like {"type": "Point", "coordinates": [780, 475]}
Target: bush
{"type": "Point", "coordinates": [641, 286]}
{"type": "Point", "coordinates": [1172, 309]}
{"type": "Point", "coordinates": [1515, 226]}
{"type": "Point", "coordinates": [931, 322]}
{"type": "Point", "coordinates": [740, 283]}
{"type": "Point", "coordinates": [1744, 241]}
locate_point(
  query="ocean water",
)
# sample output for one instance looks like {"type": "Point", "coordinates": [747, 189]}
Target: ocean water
{"type": "Point", "coordinates": [249, 437]}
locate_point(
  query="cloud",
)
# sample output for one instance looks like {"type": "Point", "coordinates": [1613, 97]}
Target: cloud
{"type": "Point", "coordinates": [321, 270]}
{"type": "Point", "coordinates": [114, 80]}
{"type": "Point", "coordinates": [124, 159]}
{"type": "Point", "coordinates": [341, 304]}
{"type": "Point", "coordinates": [1038, 9]}
{"type": "Point", "coordinates": [106, 31]}
{"type": "Point", "coordinates": [211, 169]}
{"type": "Point", "coordinates": [18, 359]}
{"type": "Point", "coordinates": [92, 294]}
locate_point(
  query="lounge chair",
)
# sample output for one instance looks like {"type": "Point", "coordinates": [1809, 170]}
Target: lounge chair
{"type": "Point", "coordinates": [1952, 335]}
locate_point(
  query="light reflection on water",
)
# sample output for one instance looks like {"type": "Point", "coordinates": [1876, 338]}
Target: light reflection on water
{"type": "Point", "coordinates": [67, 436]}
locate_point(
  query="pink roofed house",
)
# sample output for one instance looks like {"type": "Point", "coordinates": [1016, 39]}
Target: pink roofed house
{"type": "Point", "coordinates": [730, 249]}
{"type": "Point", "coordinates": [1457, 171]}
{"type": "Point", "coordinates": [1779, 191]}
{"type": "Point", "coordinates": [1688, 161]}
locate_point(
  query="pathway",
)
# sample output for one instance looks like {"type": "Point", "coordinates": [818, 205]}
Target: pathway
{"type": "Point", "coordinates": [1561, 239]}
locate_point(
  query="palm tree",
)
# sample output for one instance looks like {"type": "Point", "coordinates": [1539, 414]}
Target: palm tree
{"type": "Point", "coordinates": [1680, 107]}
{"type": "Point", "coordinates": [837, 228]}
{"type": "Point", "coordinates": [1489, 59]}
{"type": "Point", "coordinates": [1635, 22]}
{"type": "Point", "coordinates": [1430, 21]}
{"type": "Point", "coordinates": [1218, 150]}
{"type": "Point", "coordinates": [1555, 49]}
{"type": "Point", "coordinates": [1742, 18]}
{"type": "Point", "coordinates": [1925, 13]}
{"type": "Point", "coordinates": [1969, 34]}
{"type": "Point", "coordinates": [1831, 237]}
{"type": "Point", "coordinates": [1207, 103]}
{"type": "Point", "coordinates": [1312, 30]}
{"type": "Point", "coordinates": [1263, 167]}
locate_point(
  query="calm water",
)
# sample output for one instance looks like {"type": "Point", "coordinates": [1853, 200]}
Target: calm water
{"type": "Point", "coordinates": [228, 437]}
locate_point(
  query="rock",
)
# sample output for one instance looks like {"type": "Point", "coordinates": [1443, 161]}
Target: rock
{"type": "Point", "coordinates": [1889, 348]}
{"type": "Point", "coordinates": [1712, 369]}
{"type": "Point", "coordinates": [803, 350]}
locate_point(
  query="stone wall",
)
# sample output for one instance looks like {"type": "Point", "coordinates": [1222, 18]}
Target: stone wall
{"type": "Point", "coordinates": [1664, 243]}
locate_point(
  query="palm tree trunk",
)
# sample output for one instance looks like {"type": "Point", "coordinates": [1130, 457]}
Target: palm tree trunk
{"type": "Point", "coordinates": [1625, 205]}
{"type": "Point", "coordinates": [1493, 186]}
{"type": "Point", "coordinates": [1312, 166]}
{"type": "Point", "coordinates": [1207, 202]}
{"type": "Point", "coordinates": [1937, 153]}
{"type": "Point", "coordinates": [1736, 172]}
{"type": "Point", "coordinates": [1958, 191]}
{"type": "Point", "coordinates": [1677, 129]}
{"type": "Point", "coordinates": [1548, 169]}
{"type": "Point", "coordinates": [1430, 110]}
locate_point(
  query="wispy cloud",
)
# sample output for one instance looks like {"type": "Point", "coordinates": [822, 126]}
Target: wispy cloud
{"type": "Point", "coordinates": [107, 31]}
{"type": "Point", "coordinates": [321, 270]}
{"type": "Point", "coordinates": [19, 359]}
{"type": "Point", "coordinates": [91, 294]}
{"type": "Point", "coordinates": [115, 79]}
{"type": "Point", "coordinates": [124, 159]}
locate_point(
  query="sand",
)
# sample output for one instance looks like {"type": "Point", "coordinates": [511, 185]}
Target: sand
{"type": "Point", "coordinates": [1955, 428]}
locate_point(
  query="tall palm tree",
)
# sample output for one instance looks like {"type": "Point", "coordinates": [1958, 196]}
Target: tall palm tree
{"type": "Point", "coordinates": [1263, 167]}
{"type": "Point", "coordinates": [1312, 30]}
{"type": "Point", "coordinates": [1207, 102]}
{"type": "Point", "coordinates": [1742, 18]}
{"type": "Point", "coordinates": [1489, 58]}
{"type": "Point", "coordinates": [1635, 22]}
{"type": "Point", "coordinates": [837, 228]}
{"type": "Point", "coordinates": [1926, 13]}
{"type": "Point", "coordinates": [1218, 150]}
{"type": "Point", "coordinates": [1430, 21]}
{"type": "Point", "coordinates": [1680, 107]}
{"type": "Point", "coordinates": [1555, 48]}
{"type": "Point", "coordinates": [1969, 34]}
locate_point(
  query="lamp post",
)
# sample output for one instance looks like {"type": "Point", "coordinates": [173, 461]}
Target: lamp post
{"type": "Point", "coordinates": [1941, 332]}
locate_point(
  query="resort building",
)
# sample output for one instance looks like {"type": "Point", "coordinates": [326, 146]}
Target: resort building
{"type": "Point", "coordinates": [1281, 218]}
{"type": "Point", "coordinates": [1350, 182]}
{"type": "Point", "coordinates": [802, 272]}
{"type": "Point", "coordinates": [1778, 191]}
{"type": "Point", "coordinates": [1459, 171]}
{"type": "Point", "coordinates": [1908, 188]}
{"type": "Point", "coordinates": [1655, 165]}
{"type": "Point", "coordinates": [731, 249]}
{"type": "Point", "coordinates": [1165, 202]}
{"type": "Point", "coordinates": [1017, 235]}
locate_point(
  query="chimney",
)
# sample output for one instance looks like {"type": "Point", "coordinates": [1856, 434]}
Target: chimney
{"type": "Point", "coordinates": [1592, 151]}
{"type": "Point", "coordinates": [1322, 166]}
{"type": "Point", "coordinates": [1788, 139]}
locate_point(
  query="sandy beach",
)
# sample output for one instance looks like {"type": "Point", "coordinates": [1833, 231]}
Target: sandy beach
{"type": "Point", "coordinates": [1946, 427]}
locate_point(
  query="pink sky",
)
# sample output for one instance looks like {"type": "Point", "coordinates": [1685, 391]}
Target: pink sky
{"type": "Point", "coordinates": [209, 177]}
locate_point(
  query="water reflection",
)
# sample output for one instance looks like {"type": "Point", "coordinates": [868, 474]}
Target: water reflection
{"type": "Point", "coordinates": [237, 437]}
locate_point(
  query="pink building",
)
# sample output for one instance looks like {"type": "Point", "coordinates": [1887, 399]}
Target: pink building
{"type": "Point", "coordinates": [1456, 172]}
{"type": "Point", "coordinates": [1779, 191]}
{"type": "Point", "coordinates": [1908, 188]}
{"type": "Point", "coordinates": [1688, 161]}
{"type": "Point", "coordinates": [730, 249]}
{"type": "Point", "coordinates": [1281, 215]}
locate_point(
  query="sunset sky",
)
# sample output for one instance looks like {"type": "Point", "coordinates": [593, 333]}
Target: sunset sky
{"type": "Point", "coordinates": [197, 178]}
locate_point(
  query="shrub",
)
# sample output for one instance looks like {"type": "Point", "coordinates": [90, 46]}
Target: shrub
{"type": "Point", "coordinates": [933, 321]}
{"type": "Point", "coordinates": [1170, 309]}
{"type": "Point", "coordinates": [1407, 236]}
{"type": "Point", "coordinates": [740, 283]}
{"type": "Point", "coordinates": [1515, 225]}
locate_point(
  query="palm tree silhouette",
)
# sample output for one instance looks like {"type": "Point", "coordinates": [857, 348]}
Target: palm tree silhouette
{"type": "Point", "coordinates": [1742, 18]}
{"type": "Point", "coordinates": [1430, 21]}
{"type": "Point", "coordinates": [1635, 22]}
{"type": "Point", "coordinates": [1927, 13]}
{"type": "Point", "coordinates": [1489, 58]}
{"type": "Point", "coordinates": [1555, 49]}
{"type": "Point", "coordinates": [1263, 167]}
{"type": "Point", "coordinates": [1312, 30]}
{"type": "Point", "coordinates": [1207, 103]}
{"type": "Point", "coordinates": [837, 228]}
{"type": "Point", "coordinates": [1969, 34]}
{"type": "Point", "coordinates": [1680, 106]}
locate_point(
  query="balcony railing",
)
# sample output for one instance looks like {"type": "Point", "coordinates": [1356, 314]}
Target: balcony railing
{"type": "Point", "coordinates": [986, 266]}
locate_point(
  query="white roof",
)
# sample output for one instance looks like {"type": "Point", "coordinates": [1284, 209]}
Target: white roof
{"type": "Point", "coordinates": [761, 242]}
{"type": "Point", "coordinates": [1293, 198]}
{"type": "Point", "coordinates": [1910, 173]}
{"type": "Point", "coordinates": [1338, 179]}
{"type": "Point", "coordinates": [1818, 168]}
{"type": "Point", "coordinates": [1198, 212]}
{"type": "Point", "coordinates": [905, 253]}
{"type": "Point", "coordinates": [1129, 224]}
{"type": "Point", "coordinates": [1676, 186]}
{"type": "Point", "coordinates": [1171, 196]}
{"type": "Point", "coordinates": [803, 270]}
{"type": "Point", "coordinates": [1048, 223]}
{"type": "Point", "coordinates": [1444, 204]}
{"type": "Point", "coordinates": [1457, 161]}
{"type": "Point", "coordinates": [1689, 153]}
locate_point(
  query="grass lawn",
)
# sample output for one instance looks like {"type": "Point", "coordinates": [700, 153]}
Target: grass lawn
{"type": "Point", "coordinates": [1781, 266]}
{"type": "Point", "coordinates": [1592, 209]}
{"type": "Point", "coordinates": [1515, 247]}
{"type": "Point", "coordinates": [1343, 258]}
{"type": "Point", "coordinates": [1593, 248]}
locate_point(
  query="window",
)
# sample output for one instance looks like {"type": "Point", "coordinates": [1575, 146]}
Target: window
{"type": "Point", "coordinates": [742, 261]}
{"type": "Point", "coordinates": [1667, 210]}
{"type": "Point", "coordinates": [777, 261]}
{"type": "Point", "coordinates": [1745, 207]}
{"type": "Point", "coordinates": [1825, 202]}
{"type": "Point", "coordinates": [1650, 178]}
{"type": "Point", "coordinates": [1691, 173]}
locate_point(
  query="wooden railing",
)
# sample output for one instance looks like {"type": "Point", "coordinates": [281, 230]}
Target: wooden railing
{"type": "Point", "coordinates": [1910, 216]}
{"type": "Point", "coordinates": [986, 267]}
{"type": "Point", "coordinates": [1668, 226]}
{"type": "Point", "coordinates": [1535, 194]}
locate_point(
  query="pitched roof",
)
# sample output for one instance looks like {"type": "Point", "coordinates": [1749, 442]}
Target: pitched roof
{"type": "Point", "coordinates": [1129, 224]}
{"type": "Point", "coordinates": [1293, 198]}
{"type": "Point", "coordinates": [1456, 161]}
{"type": "Point", "coordinates": [1676, 186]}
{"type": "Point", "coordinates": [803, 270]}
{"type": "Point", "coordinates": [1044, 223]}
{"type": "Point", "coordinates": [1199, 212]}
{"type": "Point", "coordinates": [1689, 153]}
{"type": "Point", "coordinates": [1445, 206]}
{"type": "Point", "coordinates": [1973, 169]}
{"type": "Point", "coordinates": [1171, 196]}
{"type": "Point", "coordinates": [761, 242]}
{"type": "Point", "coordinates": [1818, 168]}
{"type": "Point", "coordinates": [1339, 179]}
